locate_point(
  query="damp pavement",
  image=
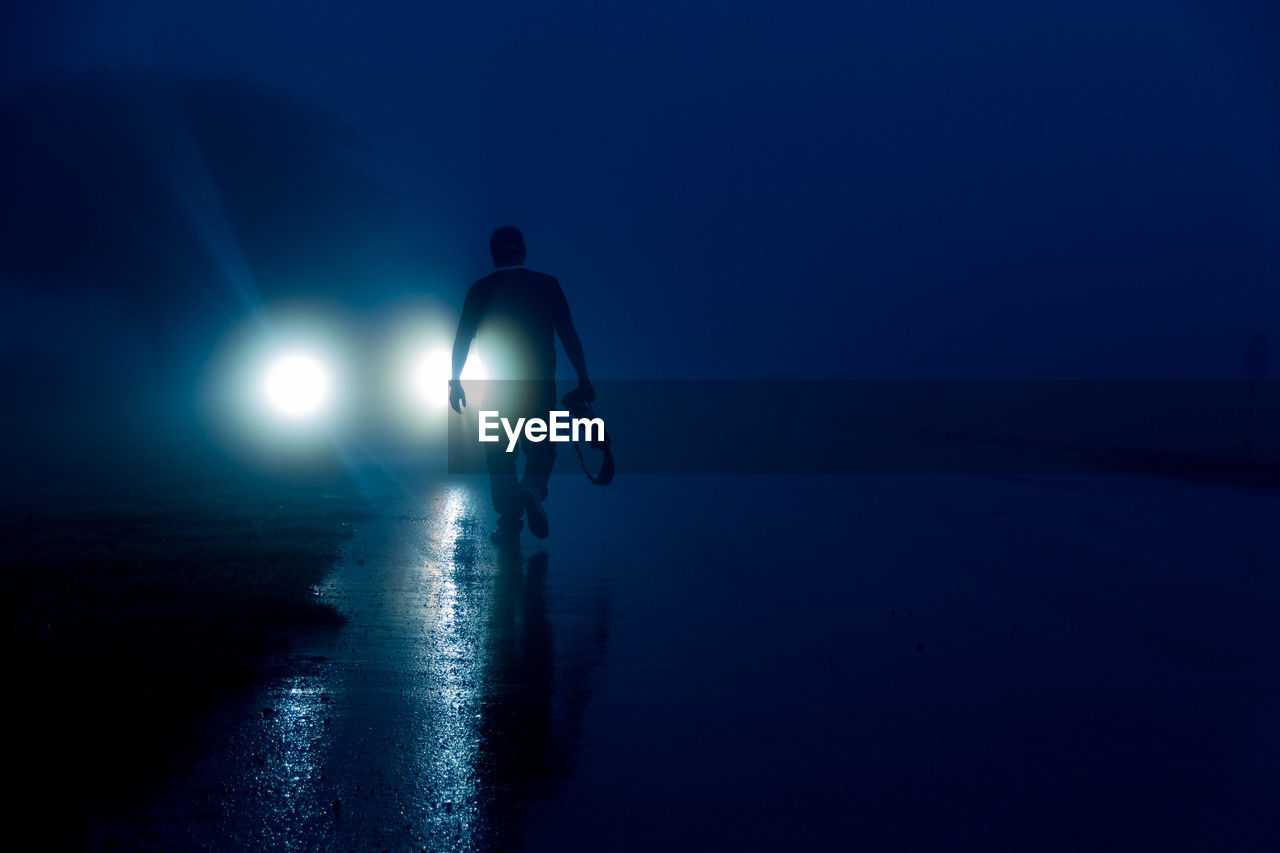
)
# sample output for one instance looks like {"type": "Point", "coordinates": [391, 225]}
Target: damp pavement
{"type": "Point", "coordinates": [754, 663]}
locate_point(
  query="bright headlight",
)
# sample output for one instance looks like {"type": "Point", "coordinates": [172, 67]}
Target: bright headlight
{"type": "Point", "coordinates": [297, 385]}
{"type": "Point", "coordinates": [429, 379]}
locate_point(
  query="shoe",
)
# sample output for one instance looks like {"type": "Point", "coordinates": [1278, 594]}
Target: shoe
{"type": "Point", "coordinates": [534, 513]}
{"type": "Point", "coordinates": [505, 535]}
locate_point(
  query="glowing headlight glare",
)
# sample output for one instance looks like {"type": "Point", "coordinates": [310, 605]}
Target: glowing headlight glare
{"type": "Point", "coordinates": [297, 385]}
{"type": "Point", "coordinates": [430, 376]}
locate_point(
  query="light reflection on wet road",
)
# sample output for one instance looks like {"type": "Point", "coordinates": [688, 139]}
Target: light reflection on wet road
{"type": "Point", "coordinates": [772, 663]}
{"type": "Point", "coordinates": [428, 721]}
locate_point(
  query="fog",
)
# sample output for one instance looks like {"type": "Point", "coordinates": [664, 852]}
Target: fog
{"type": "Point", "coordinates": [800, 190]}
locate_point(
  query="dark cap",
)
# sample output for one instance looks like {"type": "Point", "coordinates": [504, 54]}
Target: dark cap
{"type": "Point", "coordinates": [506, 238]}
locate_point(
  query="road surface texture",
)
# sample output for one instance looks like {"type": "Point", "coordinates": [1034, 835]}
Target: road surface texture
{"type": "Point", "coordinates": [751, 663]}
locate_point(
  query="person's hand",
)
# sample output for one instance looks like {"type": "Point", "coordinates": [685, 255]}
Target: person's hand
{"type": "Point", "coordinates": [579, 398]}
{"type": "Point", "coordinates": [457, 397]}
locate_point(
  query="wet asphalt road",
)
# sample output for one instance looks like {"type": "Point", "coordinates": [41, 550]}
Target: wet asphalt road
{"type": "Point", "coordinates": [769, 663]}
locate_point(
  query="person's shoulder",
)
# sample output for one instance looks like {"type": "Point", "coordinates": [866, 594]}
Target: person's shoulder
{"type": "Point", "coordinates": [521, 276]}
{"type": "Point", "coordinates": [528, 272]}
{"type": "Point", "coordinates": [480, 292]}
{"type": "Point", "coordinates": [544, 279]}
{"type": "Point", "coordinates": [481, 284]}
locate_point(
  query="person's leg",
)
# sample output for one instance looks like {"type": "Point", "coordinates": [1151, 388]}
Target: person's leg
{"type": "Point", "coordinates": [540, 456]}
{"type": "Point", "coordinates": [504, 486]}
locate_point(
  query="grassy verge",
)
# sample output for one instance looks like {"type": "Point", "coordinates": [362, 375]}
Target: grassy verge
{"type": "Point", "coordinates": [129, 613]}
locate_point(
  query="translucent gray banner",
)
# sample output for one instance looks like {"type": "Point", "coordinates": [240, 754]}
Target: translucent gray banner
{"type": "Point", "coordinates": [916, 427]}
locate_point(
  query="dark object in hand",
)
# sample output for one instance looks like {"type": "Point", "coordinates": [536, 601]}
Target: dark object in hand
{"type": "Point", "coordinates": [579, 399]}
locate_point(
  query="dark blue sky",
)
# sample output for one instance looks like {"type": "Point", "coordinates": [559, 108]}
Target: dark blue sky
{"type": "Point", "coordinates": [846, 189]}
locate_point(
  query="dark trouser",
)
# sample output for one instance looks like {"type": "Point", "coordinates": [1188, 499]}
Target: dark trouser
{"type": "Point", "coordinates": [539, 456]}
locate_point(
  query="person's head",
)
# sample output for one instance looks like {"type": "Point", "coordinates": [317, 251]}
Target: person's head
{"type": "Point", "coordinates": [506, 245]}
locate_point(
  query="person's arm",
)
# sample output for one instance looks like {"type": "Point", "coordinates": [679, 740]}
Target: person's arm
{"type": "Point", "coordinates": [468, 323]}
{"type": "Point", "coordinates": [569, 338]}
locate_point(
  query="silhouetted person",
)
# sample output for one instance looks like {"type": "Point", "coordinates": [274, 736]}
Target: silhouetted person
{"type": "Point", "coordinates": [520, 311]}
